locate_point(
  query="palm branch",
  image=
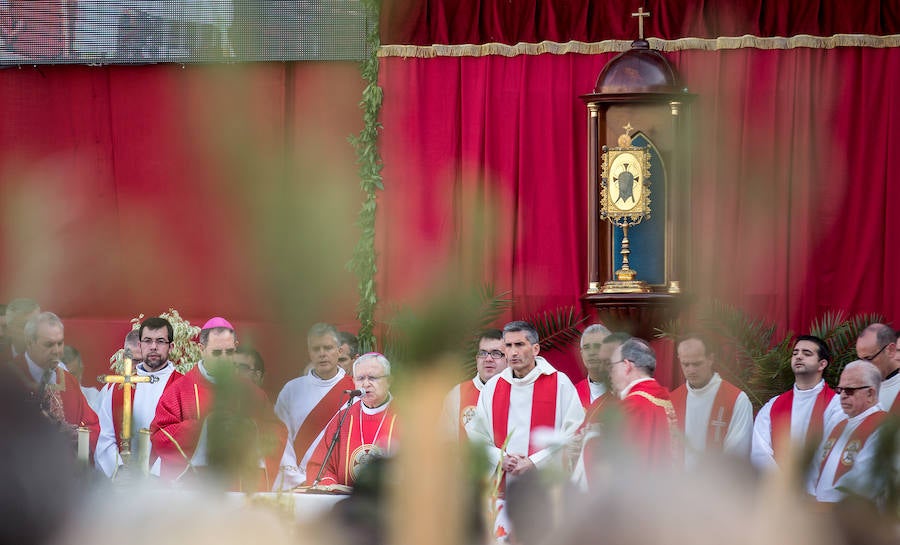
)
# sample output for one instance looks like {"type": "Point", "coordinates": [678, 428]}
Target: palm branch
{"type": "Point", "coordinates": [558, 327]}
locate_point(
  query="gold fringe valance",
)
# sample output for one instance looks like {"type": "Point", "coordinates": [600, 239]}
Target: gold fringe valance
{"type": "Point", "coordinates": [615, 46]}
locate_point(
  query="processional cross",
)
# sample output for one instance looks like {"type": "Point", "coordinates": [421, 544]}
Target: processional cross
{"type": "Point", "coordinates": [127, 379]}
{"type": "Point", "coordinates": [641, 14]}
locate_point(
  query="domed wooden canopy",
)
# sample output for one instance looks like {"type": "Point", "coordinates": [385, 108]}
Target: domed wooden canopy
{"type": "Point", "coordinates": [638, 70]}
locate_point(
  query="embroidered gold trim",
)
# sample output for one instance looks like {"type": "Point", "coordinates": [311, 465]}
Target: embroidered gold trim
{"type": "Point", "coordinates": [615, 46]}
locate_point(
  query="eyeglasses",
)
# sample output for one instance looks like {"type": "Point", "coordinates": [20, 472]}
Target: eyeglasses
{"type": "Point", "coordinates": [217, 352]}
{"type": "Point", "coordinates": [849, 390]}
{"type": "Point", "coordinates": [150, 342]}
{"type": "Point", "coordinates": [368, 378]}
{"type": "Point", "coordinates": [875, 355]}
{"type": "Point", "coordinates": [592, 346]}
{"type": "Point", "coordinates": [495, 354]}
{"type": "Point", "coordinates": [611, 363]}
{"type": "Point", "coordinates": [244, 368]}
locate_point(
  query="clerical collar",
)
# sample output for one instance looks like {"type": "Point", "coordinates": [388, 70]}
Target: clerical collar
{"type": "Point", "coordinates": [204, 372]}
{"type": "Point", "coordinates": [141, 368]}
{"type": "Point", "coordinates": [892, 374]}
{"type": "Point", "coordinates": [337, 376]}
{"type": "Point", "coordinates": [378, 409]}
{"type": "Point", "coordinates": [714, 381]}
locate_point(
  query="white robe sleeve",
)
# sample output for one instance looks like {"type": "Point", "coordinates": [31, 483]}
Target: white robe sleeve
{"type": "Point", "coordinates": [106, 454]}
{"type": "Point", "coordinates": [762, 454]}
{"type": "Point", "coordinates": [740, 430]}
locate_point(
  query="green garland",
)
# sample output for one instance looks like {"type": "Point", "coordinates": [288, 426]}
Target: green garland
{"type": "Point", "coordinates": [369, 160]}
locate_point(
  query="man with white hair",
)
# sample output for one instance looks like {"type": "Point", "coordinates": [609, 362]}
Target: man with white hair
{"type": "Point", "coordinates": [367, 429]}
{"type": "Point", "coordinates": [56, 391]}
{"type": "Point", "coordinates": [844, 460]}
{"type": "Point", "coordinates": [307, 403]}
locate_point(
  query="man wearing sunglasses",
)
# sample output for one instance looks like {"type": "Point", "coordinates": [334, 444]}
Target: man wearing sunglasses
{"type": "Point", "coordinates": [799, 415]}
{"type": "Point", "coordinates": [460, 403]}
{"type": "Point", "coordinates": [154, 337]}
{"type": "Point", "coordinates": [211, 400]}
{"type": "Point", "coordinates": [878, 344]}
{"type": "Point", "coordinates": [844, 460]}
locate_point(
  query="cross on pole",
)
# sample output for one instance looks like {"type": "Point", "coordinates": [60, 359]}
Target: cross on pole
{"type": "Point", "coordinates": [641, 14]}
{"type": "Point", "coordinates": [128, 380]}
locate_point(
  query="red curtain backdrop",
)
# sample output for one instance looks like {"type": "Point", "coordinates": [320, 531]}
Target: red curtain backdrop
{"type": "Point", "coordinates": [790, 195]}
{"type": "Point", "coordinates": [427, 22]}
{"type": "Point", "coordinates": [136, 189]}
{"type": "Point", "coordinates": [130, 190]}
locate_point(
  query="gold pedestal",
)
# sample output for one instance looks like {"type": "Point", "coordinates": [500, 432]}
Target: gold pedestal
{"type": "Point", "coordinates": [625, 286]}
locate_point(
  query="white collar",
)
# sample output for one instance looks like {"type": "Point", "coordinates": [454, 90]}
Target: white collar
{"type": "Point", "coordinates": [541, 367]}
{"type": "Point", "coordinates": [204, 372]}
{"type": "Point", "coordinates": [713, 383]}
{"type": "Point", "coordinates": [628, 388]}
{"type": "Point", "coordinates": [862, 416]}
{"type": "Point", "coordinates": [815, 389]}
{"type": "Point", "coordinates": [379, 409]}
{"type": "Point", "coordinates": [164, 370]}
{"type": "Point", "coordinates": [327, 382]}
{"type": "Point", "coordinates": [476, 380]}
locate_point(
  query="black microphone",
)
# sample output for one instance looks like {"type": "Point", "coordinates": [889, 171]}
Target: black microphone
{"type": "Point", "coordinates": [354, 393]}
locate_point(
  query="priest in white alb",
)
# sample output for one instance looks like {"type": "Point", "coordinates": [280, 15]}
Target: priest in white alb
{"type": "Point", "coordinates": [460, 403]}
{"type": "Point", "coordinates": [529, 396]}
{"type": "Point", "coordinates": [843, 462]}
{"type": "Point", "coordinates": [306, 404]}
{"type": "Point", "coordinates": [155, 336]}
{"type": "Point", "coordinates": [713, 414]}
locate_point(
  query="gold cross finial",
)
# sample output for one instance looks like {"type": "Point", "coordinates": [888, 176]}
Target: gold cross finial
{"type": "Point", "coordinates": [640, 15]}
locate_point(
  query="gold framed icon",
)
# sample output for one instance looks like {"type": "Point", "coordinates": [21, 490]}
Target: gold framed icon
{"type": "Point", "coordinates": [625, 185]}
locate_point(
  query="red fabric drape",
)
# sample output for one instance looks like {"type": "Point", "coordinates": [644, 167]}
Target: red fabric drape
{"type": "Point", "coordinates": [427, 22]}
{"type": "Point", "coordinates": [790, 188]}
{"type": "Point", "coordinates": [127, 190]}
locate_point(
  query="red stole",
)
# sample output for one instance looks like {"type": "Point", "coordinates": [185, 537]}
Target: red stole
{"type": "Point", "coordinates": [468, 400]}
{"type": "Point", "coordinates": [855, 443]}
{"type": "Point", "coordinates": [543, 408]}
{"type": "Point", "coordinates": [320, 415]}
{"type": "Point", "coordinates": [780, 416]}
{"type": "Point", "coordinates": [719, 415]}
{"type": "Point", "coordinates": [118, 402]}
{"type": "Point", "coordinates": [584, 393]}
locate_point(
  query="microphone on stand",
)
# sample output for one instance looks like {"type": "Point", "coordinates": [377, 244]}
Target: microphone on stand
{"type": "Point", "coordinates": [337, 433]}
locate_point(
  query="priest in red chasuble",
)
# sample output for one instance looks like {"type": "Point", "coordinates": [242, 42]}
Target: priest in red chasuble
{"type": "Point", "coordinates": [56, 390]}
{"type": "Point", "coordinates": [368, 429]}
{"type": "Point", "coordinates": [648, 425]}
{"type": "Point", "coordinates": [213, 418]}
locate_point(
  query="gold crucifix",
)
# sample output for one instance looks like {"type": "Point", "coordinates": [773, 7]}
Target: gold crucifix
{"type": "Point", "coordinates": [127, 379]}
{"type": "Point", "coordinates": [640, 15]}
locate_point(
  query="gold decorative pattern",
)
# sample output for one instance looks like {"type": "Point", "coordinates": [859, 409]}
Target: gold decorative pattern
{"type": "Point", "coordinates": [617, 46]}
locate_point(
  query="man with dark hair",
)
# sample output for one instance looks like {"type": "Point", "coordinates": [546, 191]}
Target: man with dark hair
{"type": "Point", "coordinates": [799, 415]}
{"type": "Point", "coordinates": [210, 405]}
{"type": "Point", "coordinates": [249, 364]}
{"type": "Point", "coordinates": [349, 350]}
{"type": "Point", "coordinates": [713, 415]}
{"type": "Point", "coordinates": [460, 403]}
{"type": "Point", "coordinates": [529, 394]}
{"type": "Point", "coordinates": [154, 337]}
{"type": "Point", "coordinates": [878, 344]}
{"type": "Point", "coordinates": [55, 390]}
{"type": "Point", "coordinates": [18, 312]}
{"type": "Point", "coordinates": [307, 403]}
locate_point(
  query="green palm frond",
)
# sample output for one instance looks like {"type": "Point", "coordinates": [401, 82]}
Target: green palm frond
{"type": "Point", "coordinates": [750, 336]}
{"type": "Point", "coordinates": [558, 327]}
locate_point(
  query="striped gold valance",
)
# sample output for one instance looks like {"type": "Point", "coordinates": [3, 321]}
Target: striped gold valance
{"type": "Point", "coordinates": [612, 46]}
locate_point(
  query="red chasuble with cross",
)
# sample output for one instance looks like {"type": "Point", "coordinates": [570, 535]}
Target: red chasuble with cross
{"type": "Point", "coordinates": [364, 434]}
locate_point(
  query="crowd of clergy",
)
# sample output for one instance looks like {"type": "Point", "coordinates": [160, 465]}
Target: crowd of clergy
{"type": "Point", "coordinates": [337, 417]}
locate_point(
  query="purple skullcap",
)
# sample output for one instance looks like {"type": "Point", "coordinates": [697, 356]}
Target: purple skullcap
{"type": "Point", "coordinates": [217, 321]}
